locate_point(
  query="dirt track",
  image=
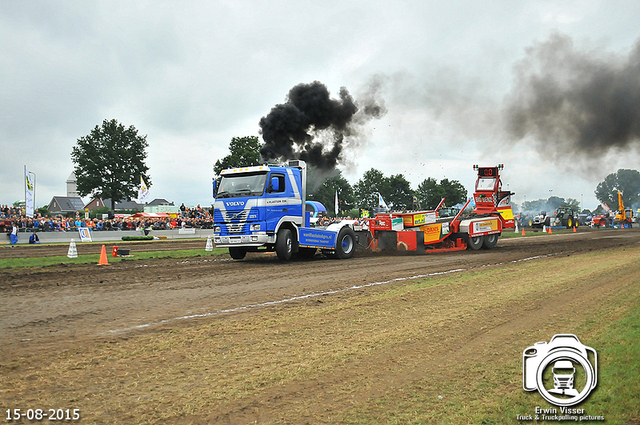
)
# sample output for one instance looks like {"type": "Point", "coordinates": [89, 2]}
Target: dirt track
{"type": "Point", "coordinates": [55, 304]}
{"type": "Point", "coordinates": [54, 309]}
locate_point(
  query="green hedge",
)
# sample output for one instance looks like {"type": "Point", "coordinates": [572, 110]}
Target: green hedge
{"type": "Point", "coordinates": [137, 238]}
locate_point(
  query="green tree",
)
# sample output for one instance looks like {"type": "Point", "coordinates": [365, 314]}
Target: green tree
{"type": "Point", "coordinates": [454, 192]}
{"type": "Point", "coordinates": [326, 193]}
{"type": "Point", "coordinates": [367, 188]}
{"type": "Point", "coordinates": [398, 193]}
{"type": "Point", "coordinates": [554, 202]}
{"type": "Point", "coordinates": [572, 203]}
{"type": "Point", "coordinates": [244, 152]}
{"type": "Point", "coordinates": [535, 206]}
{"type": "Point", "coordinates": [109, 162]}
{"type": "Point", "coordinates": [548, 205]}
{"type": "Point", "coordinates": [429, 193]}
{"type": "Point", "coordinates": [626, 181]}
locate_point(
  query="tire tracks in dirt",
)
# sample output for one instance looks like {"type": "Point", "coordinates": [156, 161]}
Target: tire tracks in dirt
{"type": "Point", "coordinates": [514, 319]}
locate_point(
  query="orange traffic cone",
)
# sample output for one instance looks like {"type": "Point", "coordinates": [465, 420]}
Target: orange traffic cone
{"type": "Point", "coordinates": [550, 232]}
{"type": "Point", "coordinates": [574, 229]}
{"type": "Point", "coordinates": [103, 257]}
{"type": "Point", "coordinates": [523, 231]}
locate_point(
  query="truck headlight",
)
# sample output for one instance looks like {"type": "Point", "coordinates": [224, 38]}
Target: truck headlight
{"type": "Point", "coordinates": [217, 229]}
{"type": "Point", "coordinates": [255, 227]}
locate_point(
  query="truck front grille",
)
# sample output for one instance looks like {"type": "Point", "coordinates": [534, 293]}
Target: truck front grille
{"type": "Point", "coordinates": [228, 216]}
{"type": "Point", "coordinates": [235, 227]}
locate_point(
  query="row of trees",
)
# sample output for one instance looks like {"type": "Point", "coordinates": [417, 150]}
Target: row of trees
{"type": "Point", "coordinates": [110, 161]}
{"type": "Point", "coordinates": [395, 190]}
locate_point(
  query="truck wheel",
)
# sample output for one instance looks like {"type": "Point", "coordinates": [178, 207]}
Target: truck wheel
{"type": "Point", "coordinates": [237, 253]}
{"type": "Point", "coordinates": [474, 243]}
{"type": "Point", "coordinates": [345, 244]}
{"type": "Point", "coordinates": [489, 241]}
{"type": "Point", "coordinates": [284, 244]}
{"type": "Point", "coordinates": [570, 223]}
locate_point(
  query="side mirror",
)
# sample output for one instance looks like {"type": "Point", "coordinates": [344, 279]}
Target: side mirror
{"type": "Point", "coordinates": [214, 188]}
{"type": "Point", "coordinates": [275, 184]}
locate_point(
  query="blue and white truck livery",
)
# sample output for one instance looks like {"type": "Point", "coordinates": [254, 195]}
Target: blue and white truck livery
{"type": "Point", "coordinates": [262, 208]}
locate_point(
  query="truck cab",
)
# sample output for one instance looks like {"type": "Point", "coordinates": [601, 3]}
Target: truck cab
{"type": "Point", "coordinates": [263, 208]}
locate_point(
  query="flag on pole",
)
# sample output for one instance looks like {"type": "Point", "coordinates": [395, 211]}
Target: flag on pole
{"type": "Point", "coordinates": [143, 192]}
{"type": "Point", "coordinates": [336, 203]}
{"type": "Point", "coordinates": [29, 193]}
{"type": "Point", "coordinates": [381, 202]}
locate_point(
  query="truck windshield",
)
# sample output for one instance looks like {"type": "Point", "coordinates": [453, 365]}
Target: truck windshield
{"type": "Point", "coordinates": [235, 185]}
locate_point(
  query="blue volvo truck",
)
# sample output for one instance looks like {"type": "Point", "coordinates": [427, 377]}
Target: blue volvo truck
{"type": "Point", "coordinates": [262, 208]}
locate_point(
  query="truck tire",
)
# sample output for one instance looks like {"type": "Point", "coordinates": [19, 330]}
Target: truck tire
{"type": "Point", "coordinates": [474, 243]}
{"type": "Point", "coordinates": [346, 243]}
{"type": "Point", "coordinates": [284, 244]}
{"type": "Point", "coordinates": [489, 241]}
{"type": "Point", "coordinates": [570, 223]}
{"type": "Point", "coordinates": [237, 253]}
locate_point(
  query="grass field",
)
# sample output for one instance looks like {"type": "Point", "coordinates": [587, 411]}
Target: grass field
{"type": "Point", "coordinates": [395, 354]}
{"type": "Point", "coordinates": [94, 258]}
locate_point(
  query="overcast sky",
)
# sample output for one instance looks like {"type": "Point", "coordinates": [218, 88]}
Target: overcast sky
{"type": "Point", "coordinates": [550, 89]}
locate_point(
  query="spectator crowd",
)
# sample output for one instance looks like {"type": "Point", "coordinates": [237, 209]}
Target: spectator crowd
{"type": "Point", "coordinates": [196, 217]}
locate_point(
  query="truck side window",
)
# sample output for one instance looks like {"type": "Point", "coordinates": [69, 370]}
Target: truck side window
{"type": "Point", "coordinates": [281, 181]}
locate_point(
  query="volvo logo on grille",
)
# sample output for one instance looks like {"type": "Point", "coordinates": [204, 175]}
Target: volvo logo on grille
{"type": "Point", "coordinates": [235, 204]}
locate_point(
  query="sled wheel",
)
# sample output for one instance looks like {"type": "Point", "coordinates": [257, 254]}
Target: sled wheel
{"type": "Point", "coordinates": [474, 243]}
{"type": "Point", "coordinates": [284, 244]}
{"type": "Point", "coordinates": [345, 245]}
{"type": "Point", "coordinates": [237, 253]}
{"type": "Point", "coordinates": [489, 241]}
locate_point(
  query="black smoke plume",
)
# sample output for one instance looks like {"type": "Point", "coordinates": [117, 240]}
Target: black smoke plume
{"type": "Point", "coordinates": [314, 127]}
{"type": "Point", "coordinates": [575, 101]}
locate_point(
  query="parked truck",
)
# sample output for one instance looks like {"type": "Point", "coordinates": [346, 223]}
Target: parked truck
{"type": "Point", "coordinates": [262, 208]}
